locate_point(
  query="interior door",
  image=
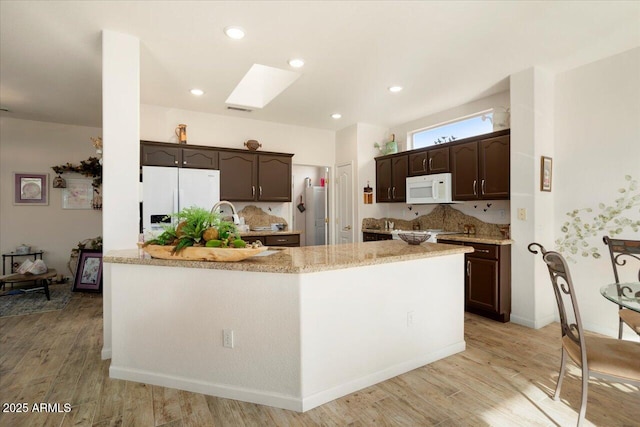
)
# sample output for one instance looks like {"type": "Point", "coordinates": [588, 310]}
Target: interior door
{"type": "Point", "coordinates": [344, 193]}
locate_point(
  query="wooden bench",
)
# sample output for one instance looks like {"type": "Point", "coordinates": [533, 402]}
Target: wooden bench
{"type": "Point", "coordinates": [41, 282]}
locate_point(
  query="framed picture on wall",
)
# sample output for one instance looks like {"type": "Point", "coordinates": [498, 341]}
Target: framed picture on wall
{"type": "Point", "coordinates": [545, 173]}
{"type": "Point", "coordinates": [89, 272]}
{"type": "Point", "coordinates": [31, 188]}
{"type": "Point", "coordinates": [78, 194]}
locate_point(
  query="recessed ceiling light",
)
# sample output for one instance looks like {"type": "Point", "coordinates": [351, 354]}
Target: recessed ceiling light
{"type": "Point", "coordinates": [296, 62]}
{"type": "Point", "coordinates": [234, 32]}
{"type": "Point", "coordinates": [197, 92]}
{"type": "Point", "coordinates": [395, 89]}
{"type": "Point", "coordinates": [336, 116]}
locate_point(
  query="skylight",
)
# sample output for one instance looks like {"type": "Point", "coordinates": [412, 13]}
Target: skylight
{"type": "Point", "coordinates": [260, 86]}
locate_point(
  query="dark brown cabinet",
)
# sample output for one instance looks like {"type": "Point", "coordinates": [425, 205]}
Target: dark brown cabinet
{"type": "Point", "coordinates": [429, 161]}
{"type": "Point", "coordinates": [164, 154]}
{"type": "Point", "coordinates": [238, 176]}
{"type": "Point", "coordinates": [375, 237]}
{"type": "Point", "coordinates": [199, 158]}
{"type": "Point", "coordinates": [487, 280]}
{"type": "Point", "coordinates": [255, 177]}
{"type": "Point", "coordinates": [391, 178]}
{"type": "Point", "coordinates": [480, 169]}
{"type": "Point", "coordinates": [289, 240]}
{"type": "Point", "coordinates": [274, 178]}
{"type": "Point", "coordinates": [154, 154]}
{"type": "Point", "coordinates": [244, 176]}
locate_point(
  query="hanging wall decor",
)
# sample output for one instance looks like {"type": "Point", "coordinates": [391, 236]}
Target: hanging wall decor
{"type": "Point", "coordinates": [31, 188]}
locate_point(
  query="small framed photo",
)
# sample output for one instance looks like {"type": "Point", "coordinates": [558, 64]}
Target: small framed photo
{"type": "Point", "coordinates": [31, 188]}
{"type": "Point", "coordinates": [78, 194]}
{"type": "Point", "coordinates": [89, 272]}
{"type": "Point", "coordinates": [545, 173]}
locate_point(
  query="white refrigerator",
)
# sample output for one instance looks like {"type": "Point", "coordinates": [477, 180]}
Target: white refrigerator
{"type": "Point", "coordinates": [168, 190]}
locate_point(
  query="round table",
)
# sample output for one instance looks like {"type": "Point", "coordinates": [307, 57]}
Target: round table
{"type": "Point", "coordinates": [626, 295]}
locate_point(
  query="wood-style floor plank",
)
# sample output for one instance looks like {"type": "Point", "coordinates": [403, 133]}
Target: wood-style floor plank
{"type": "Point", "coordinates": [506, 376]}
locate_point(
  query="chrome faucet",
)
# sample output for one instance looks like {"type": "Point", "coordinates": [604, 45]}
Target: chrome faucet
{"type": "Point", "coordinates": [234, 213]}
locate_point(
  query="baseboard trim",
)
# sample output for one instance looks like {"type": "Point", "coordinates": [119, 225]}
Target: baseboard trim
{"type": "Point", "coordinates": [219, 390]}
{"type": "Point", "coordinates": [106, 353]}
{"type": "Point", "coordinates": [325, 396]}
{"type": "Point", "coordinates": [277, 400]}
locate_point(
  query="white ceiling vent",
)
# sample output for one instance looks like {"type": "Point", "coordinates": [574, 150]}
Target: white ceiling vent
{"type": "Point", "coordinates": [260, 85]}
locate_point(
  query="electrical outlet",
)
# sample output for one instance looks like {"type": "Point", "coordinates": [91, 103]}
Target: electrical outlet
{"type": "Point", "coordinates": [409, 319]}
{"type": "Point", "coordinates": [522, 214]}
{"type": "Point", "coordinates": [227, 338]}
{"type": "Point", "coordinates": [502, 214]}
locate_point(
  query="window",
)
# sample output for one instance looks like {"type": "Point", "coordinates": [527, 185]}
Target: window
{"type": "Point", "coordinates": [478, 124]}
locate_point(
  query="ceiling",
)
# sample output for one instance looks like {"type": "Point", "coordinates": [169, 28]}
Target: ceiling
{"type": "Point", "coordinates": [443, 53]}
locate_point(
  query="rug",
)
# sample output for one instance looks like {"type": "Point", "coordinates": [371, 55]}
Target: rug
{"type": "Point", "coordinates": [35, 302]}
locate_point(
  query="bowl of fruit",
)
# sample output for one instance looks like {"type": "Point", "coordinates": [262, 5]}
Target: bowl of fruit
{"type": "Point", "coordinates": [201, 235]}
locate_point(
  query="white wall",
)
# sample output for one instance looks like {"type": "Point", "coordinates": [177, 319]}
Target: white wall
{"type": "Point", "coordinates": [366, 166]}
{"type": "Point", "coordinates": [597, 135]}
{"type": "Point", "coordinates": [29, 146]}
{"type": "Point", "coordinates": [310, 146]}
{"type": "Point", "coordinates": [498, 100]}
{"type": "Point", "coordinates": [531, 136]}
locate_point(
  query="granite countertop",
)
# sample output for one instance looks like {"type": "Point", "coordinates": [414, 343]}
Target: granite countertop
{"type": "Point", "coordinates": [477, 238]}
{"type": "Point", "coordinates": [305, 259]}
{"type": "Point", "coordinates": [268, 233]}
{"type": "Point", "coordinates": [489, 239]}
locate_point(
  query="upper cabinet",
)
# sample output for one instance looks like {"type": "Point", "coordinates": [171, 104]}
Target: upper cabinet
{"type": "Point", "coordinates": [173, 155]}
{"type": "Point", "coordinates": [244, 176]}
{"type": "Point", "coordinates": [238, 176]}
{"type": "Point", "coordinates": [199, 158]}
{"type": "Point", "coordinates": [480, 169]}
{"type": "Point", "coordinates": [433, 160]}
{"type": "Point", "coordinates": [155, 154]}
{"type": "Point", "coordinates": [274, 178]}
{"type": "Point", "coordinates": [391, 178]}
{"type": "Point", "coordinates": [255, 177]}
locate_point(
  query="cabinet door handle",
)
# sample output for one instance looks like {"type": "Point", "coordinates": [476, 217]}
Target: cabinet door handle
{"type": "Point", "coordinates": [184, 162]}
{"type": "Point", "coordinates": [424, 164]}
{"type": "Point", "coordinates": [394, 192]}
{"type": "Point", "coordinates": [486, 251]}
{"type": "Point", "coordinates": [431, 163]}
{"type": "Point", "coordinates": [253, 190]}
{"type": "Point", "coordinates": [475, 187]}
{"type": "Point", "coordinates": [281, 240]}
{"type": "Point", "coordinates": [482, 187]}
{"type": "Point", "coordinates": [389, 193]}
{"type": "Point", "coordinates": [260, 187]}
{"type": "Point", "coordinates": [469, 268]}
{"type": "Point", "coordinates": [175, 162]}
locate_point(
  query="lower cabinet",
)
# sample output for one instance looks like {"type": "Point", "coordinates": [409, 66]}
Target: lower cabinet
{"type": "Point", "coordinates": [374, 237]}
{"type": "Point", "coordinates": [290, 240]}
{"type": "Point", "coordinates": [487, 280]}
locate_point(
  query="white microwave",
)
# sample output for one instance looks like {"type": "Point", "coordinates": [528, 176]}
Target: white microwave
{"type": "Point", "coordinates": [429, 189]}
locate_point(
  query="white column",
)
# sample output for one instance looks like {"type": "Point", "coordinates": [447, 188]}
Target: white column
{"type": "Point", "coordinates": [532, 136]}
{"type": "Point", "coordinates": [121, 157]}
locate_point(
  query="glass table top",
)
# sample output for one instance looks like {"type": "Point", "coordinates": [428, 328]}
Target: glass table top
{"type": "Point", "coordinates": [624, 294]}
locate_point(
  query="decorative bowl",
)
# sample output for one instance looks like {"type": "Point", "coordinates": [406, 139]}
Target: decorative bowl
{"type": "Point", "coordinates": [414, 237]}
{"type": "Point", "coordinates": [203, 253]}
{"type": "Point", "coordinates": [252, 144]}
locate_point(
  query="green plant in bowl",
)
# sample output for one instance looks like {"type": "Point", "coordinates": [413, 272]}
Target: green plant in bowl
{"type": "Point", "coordinates": [192, 224]}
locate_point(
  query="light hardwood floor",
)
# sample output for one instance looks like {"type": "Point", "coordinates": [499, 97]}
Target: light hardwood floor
{"type": "Point", "coordinates": [504, 378]}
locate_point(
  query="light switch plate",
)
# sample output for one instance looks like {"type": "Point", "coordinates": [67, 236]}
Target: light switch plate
{"type": "Point", "coordinates": [522, 214]}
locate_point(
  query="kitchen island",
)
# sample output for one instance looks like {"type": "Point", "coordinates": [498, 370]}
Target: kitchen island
{"type": "Point", "coordinates": [294, 329]}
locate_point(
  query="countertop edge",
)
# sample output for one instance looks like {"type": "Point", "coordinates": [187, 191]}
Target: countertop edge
{"type": "Point", "coordinates": [133, 257]}
{"type": "Point", "coordinates": [460, 237]}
